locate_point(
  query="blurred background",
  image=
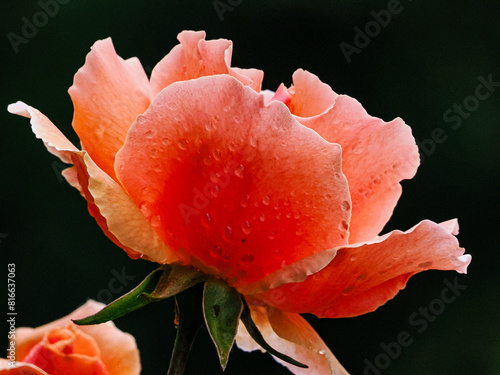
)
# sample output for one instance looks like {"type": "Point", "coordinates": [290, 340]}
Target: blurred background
{"type": "Point", "coordinates": [424, 63]}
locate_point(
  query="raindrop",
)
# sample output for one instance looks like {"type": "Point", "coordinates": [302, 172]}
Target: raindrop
{"type": "Point", "coordinates": [214, 191]}
{"type": "Point", "coordinates": [345, 205]}
{"type": "Point", "coordinates": [286, 202]}
{"type": "Point", "coordinates": [216, 251]}
{"type": "Point", "coordinates": [207, 160]}
{"type": "Point", "coordinates": [353, 257]}
{"type": "Point", "coordinates": [178, 118]}
{"type": "Point", "coordinates": [141, 120]}
{"type": "Point", "coordinates": [237, 119]}
{"type": "Point", "coordinates": [182, 143]}
{"type": "Point", "coordinates": [246, 227]}
{"type": "Point", "coordinates": [357, 148]}
{"type": "Point", "coordinates": [155, 221]}
{"type": "Point", "coordinates": [216, 153]}
{"type": "Point", "coordinates": [254, 142]}
{"type": "Point", "coordinates": [150, 134]}
{"type": "Point", "coordinates": [272, 235]}
{"type": "Point", "coordinates": [348, 289]}
{"type": "Point", "coordinates": [328, 196]}
{"type": "Point", "coordinates": [425, 264]}
{"type": "Point", "coordinates": [155, 153]}
{"type": "Point", "coordinates": [288, 215]}
{"type": "Point", "coordinates": [239, 171]}
{"type": "Point", "coordinates": [309, 203]}
{"type": "Point", "coordinates": [377, 181]}
{"type": "Point", "coordinates": [362, 277]}
{"type": "Point", "coordinates": [244, 202]}
{"type": "Point", "coordinates": [228, 234]}
{"type": "Point", "coordinates": [279, 216]}
{"type": "Point", "coordinates": [299, 232]}
{"type": "Point", "coordinates": [206, 219]}
{"type": "Point", "coordinates": [262, 217]}
{"type": "Point", "coordinates": [388, 265]}
{"type": "Point", "coordinates": [266, 200]}
{"type": "Point", "coordinates": [209, 126]}
{"type": "Point", "coordinates": [296, 215]}
{"type": "Point", "coordinates": [166, 141]}
{"type": "Point", "coordinates": [232, 146]}
{"type": "Point", "coordinates": [172, 106]}
{"type": "Point", "coordinates": [145, 190]}
{"type": "Point", "coordinates": [322, 352]}
{"type": "Point", "coordinates": [227, 108]}
{"type": "Point", "coordinates": [144, 208]}
{"type": "Point", "coordinates": [343, 225]}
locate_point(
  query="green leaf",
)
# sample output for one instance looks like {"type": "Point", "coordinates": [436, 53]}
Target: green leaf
{"type": "Point", "coordinates": [174, 280]}
{"type": "Point", "coordinates": [222, 308]}
{"type": "Point", "coordinates": [254, 332]}
{"type": "Point", "coordinates": [126, 303]}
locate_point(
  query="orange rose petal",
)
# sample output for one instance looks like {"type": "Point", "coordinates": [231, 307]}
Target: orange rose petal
{"type": "Point", "coordinates": [108, 94]}
{"type": "Point", "coordinates": [363, 277]}
{"type": "Point", "coordinates": [237, 185]}
{"type": "Point", "coordinates": [309, 96]}
{"type": "Point", "coordinates": [19, 369]}
{"type": "Point", "coordinates": [376, 155]}
{"type": "Point", "coordinates": [123, 218]}
{"type": "Point", "coordinates": [118, 349]}
{"type": "Point", "coordinates": [290, 334]}
{"type": "Point", "coordinates": [196, 57]}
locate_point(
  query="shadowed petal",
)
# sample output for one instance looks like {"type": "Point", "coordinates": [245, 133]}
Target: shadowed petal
{"type": "Point", "coordinates": [290, 334]}
{"type": "Point", "coordinates": [364, 276]}
{"type": "Point", "coordinates": [108, 94]}
{"type": "Point", "coordinates": [20, 368]}
{"type": "Point", "coordinates": [240, 186]}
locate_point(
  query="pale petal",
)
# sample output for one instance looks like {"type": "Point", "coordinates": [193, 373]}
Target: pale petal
{"type": "Point", "coordinates": [108, 94]}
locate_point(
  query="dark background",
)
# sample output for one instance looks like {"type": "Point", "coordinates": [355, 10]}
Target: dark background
{"type": "Point", "coordinates": [426, 59]}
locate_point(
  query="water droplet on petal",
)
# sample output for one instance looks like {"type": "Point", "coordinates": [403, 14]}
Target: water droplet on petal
{"type": "Point", "coordinates": [145, 190]}
{"type": "Point", "coordinates": [254, 142]}
{"type": "Point", "coordinates": [348, 289]}
{"type": "Point", "coordinates": [216, 153]}
{"type": "Point", "coordinates": [272, 235]}
{"type": "Point", "coordinates": [172, 106]}
{"type": "Point", "coordinates": [239, 171]}
{"type": "Point", "coordinates": [244, 202]}
{"type": "Point", "coordinates": [178, 118]}
{"type": "Point", "coordinates": [209, 126]}
{"type": "Point", "coordinates": [246, 227]}
{"type": "Point", "coordinates": [149, 134]}
{"type": "Point", "coordinates": [299, 232]}
{"type": "Point", "coordinates": [182, 143]}
{"type": "Point", "coordinates": [279, 216]}
{"type": "Point", "coordinates": [297, 214]}
{"type": "Point", "coordinates": [343, 225]}
{"type": "Point", "coordinates": [361, 277]}
{"type": "Point", "coordinates": [155, 221]}
{"type": "Point", "coordinates": [228, 234]}
{"type": "Point", "coordinates": [141, 120]}
{"type": "Point", "coordinates": [345, 205]}
{"type": "Point", "coordinates": [154, 153]}
{"type": "Point", "coordinates": [266, 201]}
{"type": "Point", "coordinates": [216, 251]}
{"type": "Point", "coordinates": [353, 257]}
{"type": "Point", "coordinates": [232, 146]}
{"type": "Point", "coordinates": [207, 220]}
{"type": "Point", "coordinates": [214, 190]}
{"type": "Point", "coordinates": [227, 108]}
{"type": "Point", "coordinates": [309, 203]}
{"type": "Point", "coordinates": [166, 141]}
{"type": "Point", "coordinates": [322, 352]}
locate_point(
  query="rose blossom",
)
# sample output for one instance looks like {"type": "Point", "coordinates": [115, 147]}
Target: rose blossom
{"type": "Point", "coordinates": [283, 195]}
{"type": "Point", "coordinates": [61, 347]}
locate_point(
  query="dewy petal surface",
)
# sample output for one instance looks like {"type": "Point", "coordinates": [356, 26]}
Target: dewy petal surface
{"type": "Point", "coordinates": [364, 276]}
{"type": "Point", "coordinates": [376, 155]}
{"type": "Point", "coordinates": [235, 187]}
{"type": "Point", "coordinates": [196, 57]}
{"type": "Point", "coordinates": [108, 94]}
{"type": "Point", "coordinates": [292, 335]}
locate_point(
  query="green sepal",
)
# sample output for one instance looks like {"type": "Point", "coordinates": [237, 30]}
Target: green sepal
{"type": "Point", "coordinates": [174, 280]}
{"type": "Point", "coordinates": [126, 303]}
{"type": "Point", "coordinates": [254, 332]}
{"type": "Point", "coordinates": [222, 309]}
